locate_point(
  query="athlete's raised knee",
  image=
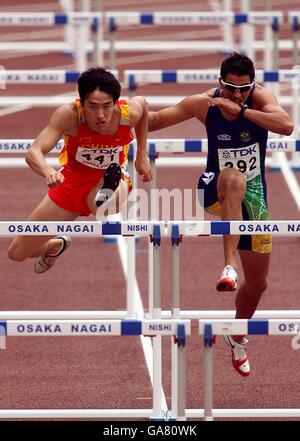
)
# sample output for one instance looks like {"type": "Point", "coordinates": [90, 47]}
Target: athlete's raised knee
{"type": "Point", "coordinates": [232, 185]}
{"type": "Point", "coordinates": [235, 189]}
{"type": "Point", "coordinates": [236, 182]}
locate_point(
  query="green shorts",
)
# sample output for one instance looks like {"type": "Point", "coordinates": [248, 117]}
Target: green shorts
{"type": "Point", "coordinates": [254, 207]}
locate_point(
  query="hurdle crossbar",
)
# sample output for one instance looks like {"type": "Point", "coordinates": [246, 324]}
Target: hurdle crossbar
{"type": "Point", "coordinates": [143, 413]}
{"type": "Point", "coordinates": [135, 46]}
{"type": "Point", "coordinates": [42, 76]}
{"type": "Point", "coordinates": [55, 328]}
{"type": "Point", "coordinates": [146, 228]}
{"type": "Point", "coordinates": [179, 145]}
{"type": "Point", "coordinates": [251, 326]}
{"type": "Point", "coordinates": [165, 314]}
{"type": "Point", "coordinates": [134, 77]}
{"type": "Point", "coordinates": [47, 18]}
{"type": "Point", "coordinates": [50, 101]}
{"type": "Point", "coordinates": [76, 19]}
{"type": "Point", "coordinates": [185, 18]}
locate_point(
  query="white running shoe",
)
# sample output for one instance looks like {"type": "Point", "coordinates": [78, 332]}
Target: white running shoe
{"type": "Point", "coordinates": [240, 360]}
{"type": "Point", "coordinates": [44, 262]}
{"type": "Point", "coordinates": [228, 280]}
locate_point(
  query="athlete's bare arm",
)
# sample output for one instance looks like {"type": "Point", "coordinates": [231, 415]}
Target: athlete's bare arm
{"type": "Point", "coordinates": [62, 121]}
{"type": "Point", "coordinates": [268, 114]}
{"type": "Point", "coordinates": [138, 113]}
{"type": "Point", "coordinates": [192, 106]}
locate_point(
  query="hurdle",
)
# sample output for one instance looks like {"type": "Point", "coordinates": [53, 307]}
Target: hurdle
{"type": "Point", "coordinates": [210, 328]}
{"type": "Point", "coordinates": [77, 19]}
{"type": "Point", "coordinates": [20, 326]}
{"type": "Point", "coordinates": [55, 328]}
{"type": "Point", "coordinates": [154, 327]}
{"type": "Point", "coordinates": [114, 19]}
{"type": "Point", "coordinates": [271, 20]}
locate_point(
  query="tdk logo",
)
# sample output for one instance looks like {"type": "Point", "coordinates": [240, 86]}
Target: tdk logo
{"type": "Point", "coordinates": [239, 153]}
{"type": "Point", "coordinates": [108, 151]}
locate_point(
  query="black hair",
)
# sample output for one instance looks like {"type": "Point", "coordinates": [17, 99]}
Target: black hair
{"type": "Point", "coordinates": [237, 64]}
{"type": "Point", "coordinates": [98, 78]}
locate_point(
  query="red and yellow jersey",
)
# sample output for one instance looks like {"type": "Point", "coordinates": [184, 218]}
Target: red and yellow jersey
{"type": "Point", "coordinates": [89, 151]}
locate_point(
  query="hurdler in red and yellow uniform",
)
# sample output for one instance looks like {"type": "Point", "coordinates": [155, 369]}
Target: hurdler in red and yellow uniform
{"type": "Point", "coordinates": [85, 158]}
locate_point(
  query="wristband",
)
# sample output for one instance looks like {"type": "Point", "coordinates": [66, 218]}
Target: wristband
{"type": "Point", "coordinates": [243, 108]}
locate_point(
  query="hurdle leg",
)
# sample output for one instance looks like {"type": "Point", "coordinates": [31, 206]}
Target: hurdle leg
{"type": "Point", "coordinates": [2, 335]}
{"type": "Point", "coordinates": [153, 211]}
{"type": "Point", "coordinates": [295, 46]}
{"type": "Point", "coordinates": [227, 28]}
{"type": "Point", "coordinates": [82, 38]}
{"type": "Point", "coordinates": [247, 33]}
{"type": "Point", "coordinates": [208, 371]}
{"type": "Point", "coordinates": [156, 314]}
{"type": "Point", "coordinates": [112, 44]}
{"type": "Point", "coordinates": [130, 284]}
{"type": "Point", "coordinates": [176, 400]}
{"type": "Point", "coordinates": [80, 47]}
{"type": "Point", "coordinates": [294, 161]}
{"type": "Point", "coordinates": [180, 375]}
{"type": "Point", "coordinates": [97, 34]}
{"type": "Point", "coordinates": [154, 298]}
{"type": "Point", "coordinates": [68, 7]}
{"type": "Point", "coordinates": [131, 258]}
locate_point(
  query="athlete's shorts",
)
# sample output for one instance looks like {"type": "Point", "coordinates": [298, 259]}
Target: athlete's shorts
{"type": "Point", "coordinates": [254, 207]}
{"type": "Point", "coordinates": [72, 194]}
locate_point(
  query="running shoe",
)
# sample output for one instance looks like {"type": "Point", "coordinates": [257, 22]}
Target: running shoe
{"type": "Point", "coordinates": [44, 262]}
{"type": "Point", "coordinates": [240, 360]}
{"type": "Point", "coordinates": [111, 181]}
{"type": "Point", "coordinates": [228, 280]}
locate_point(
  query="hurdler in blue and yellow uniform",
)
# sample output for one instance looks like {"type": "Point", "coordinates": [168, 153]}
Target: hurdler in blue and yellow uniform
{"type": "Point", "coordinates": [240, 144]}
{"type": "Point", "coordinates": [85, 158]}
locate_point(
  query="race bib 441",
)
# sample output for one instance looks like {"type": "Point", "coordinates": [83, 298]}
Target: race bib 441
{"type": "Point", "coordinates": [245, 159]}
{"type": "Point", "coordinates": [97, 158]}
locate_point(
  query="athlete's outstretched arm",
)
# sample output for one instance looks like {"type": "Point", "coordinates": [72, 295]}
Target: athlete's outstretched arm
{"type": "Point", "coordinates": [269, 114]}
{"type": "Point", "coordinates": [138, 112]}
{"type": "Point", "coordinates": [45, 142]}
{"type": "Point", "coordinates": [192, 106]}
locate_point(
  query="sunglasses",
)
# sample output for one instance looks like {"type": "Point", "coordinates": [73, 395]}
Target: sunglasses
{"type": "Point", "coordinates": [235, 88]}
